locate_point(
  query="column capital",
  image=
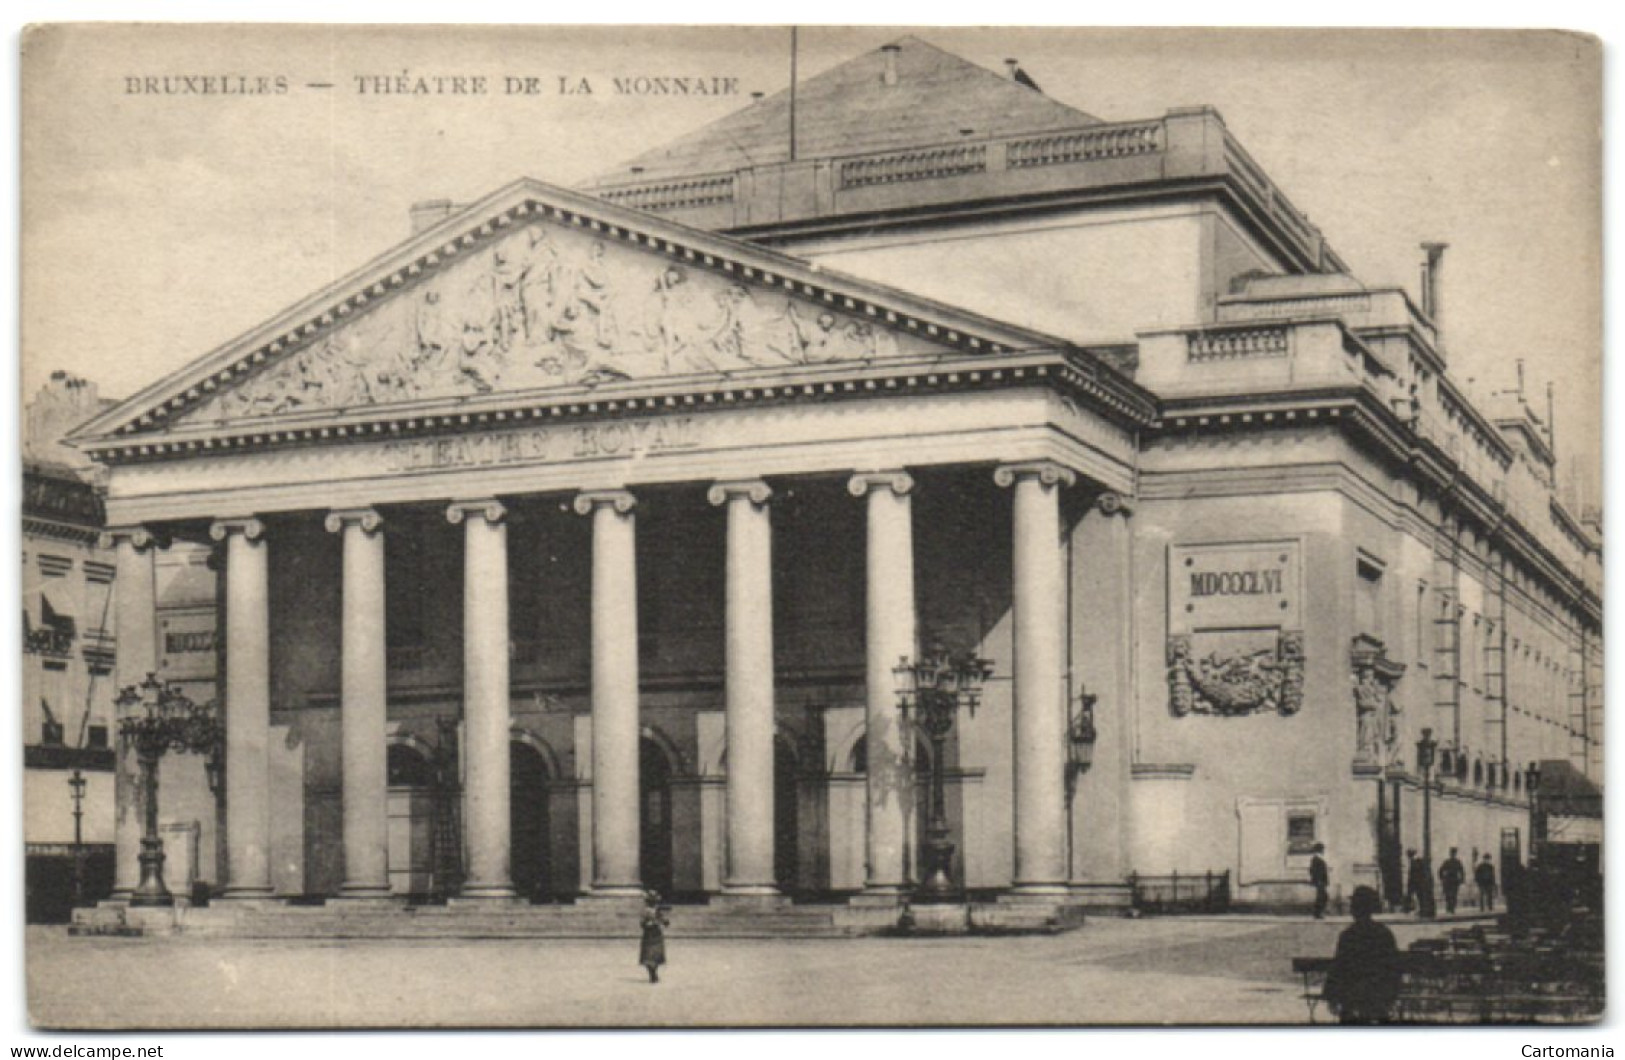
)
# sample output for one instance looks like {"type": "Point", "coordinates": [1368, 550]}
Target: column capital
{"type": "Point", "coordinates": [1046, 471]}
{"type": "Point", "coordinates": [754, 488]}
{"type": "Point", "coordinates": [1110, 503]}
{"type": "Point", "coordinates": [249, 527]}
{"type": "Point", "coordinates": [899, 482]}
{"type": "Point", "coordinates": [488, 508]}
{"type": "Point", "coordinates": [140, 537]}
{"type": "Point", "coordinates": [367, 518]}
{"type": "Point", "coordinates": [588, 500]}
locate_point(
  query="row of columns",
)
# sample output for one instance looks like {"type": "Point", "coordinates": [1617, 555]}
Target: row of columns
{"type": "Point", "coordinates": [1040, 713]}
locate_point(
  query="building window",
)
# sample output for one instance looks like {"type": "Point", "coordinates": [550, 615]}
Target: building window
{"type": "Point", "coordinates": [50, 730]}
{"type": "Point", "coordinates": [1368, 598]}
{"type": "Point", "coordinates": [96, 737]}
{"type": "Point", "coordinates": [1300, 833]}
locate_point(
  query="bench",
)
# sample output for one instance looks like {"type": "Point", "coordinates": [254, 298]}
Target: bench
{"type": "Point", "coordinates": [1437, 987]}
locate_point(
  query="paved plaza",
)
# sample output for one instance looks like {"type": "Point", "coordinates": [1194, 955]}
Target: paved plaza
{"type": "Point", "coordinates": [1112, 971]}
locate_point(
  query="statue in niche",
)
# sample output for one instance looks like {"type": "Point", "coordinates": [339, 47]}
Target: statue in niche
{"type": "Point", "coordinates": [1376, 715]}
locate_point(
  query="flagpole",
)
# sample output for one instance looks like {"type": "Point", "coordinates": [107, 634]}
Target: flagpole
{"type": "Point", "coordinates": [792, 93]}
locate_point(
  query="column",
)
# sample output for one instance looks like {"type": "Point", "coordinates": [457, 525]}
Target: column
{"type": "Point", "coordinates": [248, 708]}
{"type": "Point", "coordinates": [485, 696]}
{"type": "Point", "coordinates": [1039, 589]}
{"type": "Point", "coordinates": [136, 626]}
{"type": "Point", "coordinates": [615, 824]}
{"type": "Point", "coordinates": [749, 687]}
{"type": "Point", "coordinates": [889, 637]}
{"type": "Point", "coordinates": [364, 697]}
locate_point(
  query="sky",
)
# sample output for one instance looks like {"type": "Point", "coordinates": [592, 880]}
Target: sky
{"type": "Point", "coordinates": [158, 226]}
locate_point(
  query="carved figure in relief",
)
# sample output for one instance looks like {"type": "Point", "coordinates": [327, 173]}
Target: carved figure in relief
{"type": "Point", "coordinates": [1370, 706]}
{"type": "Point", "coordinates": [545, 307]}
{"type": "Point", "coordinates": [1236, 682]}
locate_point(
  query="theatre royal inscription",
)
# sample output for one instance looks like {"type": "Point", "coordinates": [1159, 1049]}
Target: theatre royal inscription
{"type": "Point", "coordinates": [545, 444]}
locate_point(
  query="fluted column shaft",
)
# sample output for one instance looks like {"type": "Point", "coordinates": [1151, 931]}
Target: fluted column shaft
{"type": "Point", "coordinates": [1040, 702]}
{"type": "Point", "coordinates": [486, 793]}
{"type": "Point", "coordinates": [889, 620]}
{"type": "Point", "coordinates": [749, 686]}
{"type": "Point", "coordinates": [364, 696]}
{"type": "Point", "coordinates": [248, 708]}
{"type": "Point", "coordinates": [615, 773]}
{"type": "Point", "coordinates": [136, 627]}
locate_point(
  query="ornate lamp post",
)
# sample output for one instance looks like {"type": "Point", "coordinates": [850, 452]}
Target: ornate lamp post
{"type": "Point", "coordinates": [930, 692]}
{"type": "Point", "coordinates": [1530, 785]}
{"type": "Point", "coordinates": [167, 721]}
{"type": "Point", "coordinates": [76, 784]}
{"type": "Point", "coordinates": [1425, 750]}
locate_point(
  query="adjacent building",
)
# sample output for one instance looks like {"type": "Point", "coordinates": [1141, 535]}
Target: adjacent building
{"type": "Point", "coordinates": [568, 548]}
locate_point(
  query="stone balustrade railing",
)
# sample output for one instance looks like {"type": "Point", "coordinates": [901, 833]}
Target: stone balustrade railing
{"type": "Point", "coordinates": [927, 164]}
{"type": "Point", "coordinates": [1085, 145]}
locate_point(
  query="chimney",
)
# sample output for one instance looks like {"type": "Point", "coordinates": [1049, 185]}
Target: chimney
{"type": "Point", "coordinates": [430, 212]}
{"type": "Point", "coordinates": [889, 76]}
{"type": "Point", "coordinates": [1010, 68]}
{"type": "Point", "coordinates": [1431, 290]}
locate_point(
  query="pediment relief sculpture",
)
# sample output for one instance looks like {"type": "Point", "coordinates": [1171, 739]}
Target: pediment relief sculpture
{"type": "Point", "coordinates": [550, 306]}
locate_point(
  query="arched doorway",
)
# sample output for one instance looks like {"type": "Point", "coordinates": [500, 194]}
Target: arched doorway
{"type": "Point", "coordinates": [786, 824]}
{"type": "Point", "coordinates": [528, 832]}
{"type": "Point", "coordinates": [411, 821]}
{"type": "Point", "coordinates": [654, 822]}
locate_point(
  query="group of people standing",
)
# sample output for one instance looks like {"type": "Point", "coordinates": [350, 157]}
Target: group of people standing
{"type": "Point", "coordinates": [1419, 897]}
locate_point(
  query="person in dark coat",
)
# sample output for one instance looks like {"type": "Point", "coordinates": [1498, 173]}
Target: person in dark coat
{"type": "Point", "coordinates": [652, 952]}
{"type": "Point", "coordinates": [1451, 876]}
{"type": "Point", "coordinates": [1484, 876]}
{"type": "Point", "coordinates": [1420, 888]}
{"type": "Point", "coordinates": [1320, 876]}
{"type": "Point", "coordinates": [1363, 981]}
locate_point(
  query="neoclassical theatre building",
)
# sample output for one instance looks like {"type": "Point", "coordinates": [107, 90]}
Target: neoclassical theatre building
{"type": "Point", "coordinates": [568, 547]}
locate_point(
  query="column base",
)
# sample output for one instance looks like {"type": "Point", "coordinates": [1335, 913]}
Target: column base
{"type": "Point", "coordinates": [1047, 892]}
{"type": "Point", "coordinates": [364, 890]}
{"type": "Point", "coordinates": [750, 897]}
{"type": "Point", "coordinates": [247, 894]}
{"type": "Point", "coordinates": [882, 895]}
{"type": "Point", "coordinates": [488, 892]}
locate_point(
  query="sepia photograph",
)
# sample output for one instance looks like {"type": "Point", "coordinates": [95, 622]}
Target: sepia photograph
{"type": "Point", "coordinates": [651, 526]}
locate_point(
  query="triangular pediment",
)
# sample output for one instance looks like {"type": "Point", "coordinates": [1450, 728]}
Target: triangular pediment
{"type": "Point", "coordinates": [537, 288]}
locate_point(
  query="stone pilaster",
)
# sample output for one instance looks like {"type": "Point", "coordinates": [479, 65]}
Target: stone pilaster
{"type": "Point", "coordinates": [364, 697]}
{"type": "Point", "coordinates": [749, 687]}
{"type": "Point", "coordinates": [248, 707]}
{"type": "Point", "coordinates": [486, 793]}
{"type": "Point", "coordinates": [889, 621]}
{"type": "Point", "coordinates": [615, 684]}
{"type": "Point", "coordinates": [1039, 759]}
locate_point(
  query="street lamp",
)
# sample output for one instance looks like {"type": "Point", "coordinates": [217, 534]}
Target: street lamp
{"type": "Point", "coordinates": [76, 784]}
{"type": "Point", "coordinates": [1530, 786]}
{"type": "Point", "coordinates": [1425, 749]}
{"type": "Point", "coordinates": [1080, 743]}
{"type": "Point", "coordinates": [167, 721]}
{"type": "Point", "coordinates": [930, 692]}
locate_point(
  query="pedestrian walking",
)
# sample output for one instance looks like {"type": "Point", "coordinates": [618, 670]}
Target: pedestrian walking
{"type": "Point", "coordinates": [1451, 876]}
{"type": "Point", "coordinates": [1484, 876]}
{"type": "Point", "coordinates": [1363, 981]}
{"type": "Point", "coordinates": [1320, 876]}
{"type": "Point", "coordinates": [652, 952]}
{"type": "Point", "coordinates": [1419, 890]}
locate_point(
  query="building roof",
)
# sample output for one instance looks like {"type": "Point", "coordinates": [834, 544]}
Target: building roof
{"type": "Point", "coordinates": [851, 109]}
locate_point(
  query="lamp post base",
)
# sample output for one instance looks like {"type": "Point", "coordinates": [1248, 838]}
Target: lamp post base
{"type": "Point", "coordinates": [151, 890]}
{"type": "Point", "coordinates": [938, 885]}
